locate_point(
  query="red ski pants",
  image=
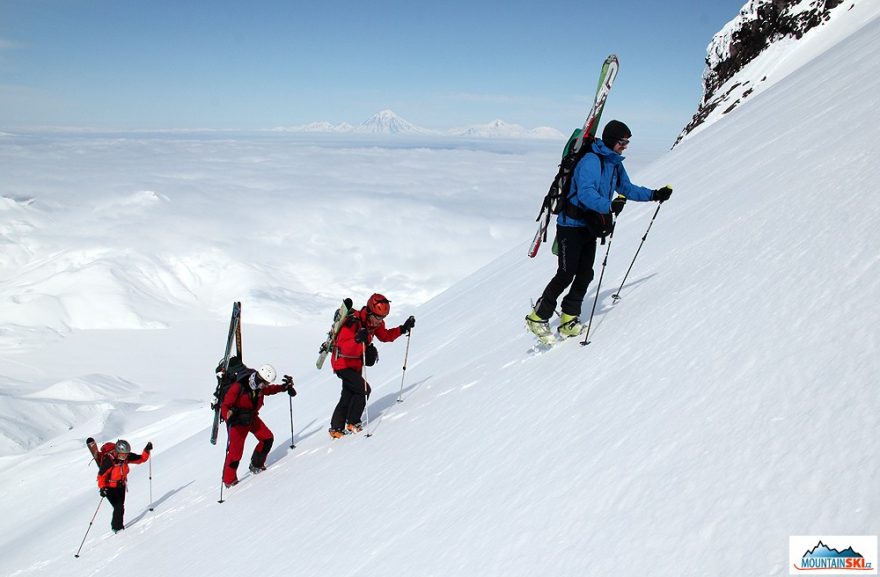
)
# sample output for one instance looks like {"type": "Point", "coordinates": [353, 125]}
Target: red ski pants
{"type": "Point", "coordinates": [236, 435]}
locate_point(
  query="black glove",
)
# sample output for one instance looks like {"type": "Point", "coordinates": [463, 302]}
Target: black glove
{"type": "Point", "coordinates": [149, 447]}
{"type": "Point", "coordinates": [408, 324]}
{"type": "Point", "coordinates": [103, 491]}
{"type": "Point", "coordinates": [617, 205]}
{"type": "Point", "coordinates": [287, 382]}
{"type": "Point", "coordinates": [371, 355]}
{"type": "Point", "coordinates": [662, 194]}
{"type": "Point", "coordinates": [348, 303]}
{"type": "Point", "coordinates": [361, 336]}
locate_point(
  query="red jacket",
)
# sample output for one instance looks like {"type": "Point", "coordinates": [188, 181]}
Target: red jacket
{"type": "Point", "coordinates": [113, 472]}
{"type": "Point", "coordinates": [348, 354]}
{"type": "Point", "coordinates": [242, 398]}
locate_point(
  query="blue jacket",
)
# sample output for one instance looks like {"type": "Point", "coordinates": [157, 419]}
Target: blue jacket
{"type": "Point", "coordinates": [592, 187]}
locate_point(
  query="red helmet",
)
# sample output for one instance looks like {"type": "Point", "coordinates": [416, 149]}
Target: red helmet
{"type": "Point", "coordinates": [378, 305]}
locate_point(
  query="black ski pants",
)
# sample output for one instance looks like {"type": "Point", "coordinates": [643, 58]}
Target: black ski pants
{"type": "Point", "coordinates": [576, 254]}
{"type": "Point", "coordinates": [116, 497]}
{"type": "Point", "coordinates": [352, 400]}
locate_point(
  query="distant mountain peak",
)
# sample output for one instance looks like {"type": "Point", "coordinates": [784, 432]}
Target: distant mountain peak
{"type": "Point", "coordinates": [501, 129]}
{"type": "Point", "coordinates": [387, 122]}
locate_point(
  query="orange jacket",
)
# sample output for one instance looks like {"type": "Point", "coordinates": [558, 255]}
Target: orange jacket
{"type": "Point", "coordinates": [113, 472]}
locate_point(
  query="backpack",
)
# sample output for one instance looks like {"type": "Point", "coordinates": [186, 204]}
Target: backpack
{"type": "Point", "coordinates": [226, 377]}
{"type": "Point", "coordinates": [106, 454]}
{"type": "Point", "coordinates": [557, 198]}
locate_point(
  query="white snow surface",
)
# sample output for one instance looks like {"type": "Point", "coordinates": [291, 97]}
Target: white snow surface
{"type": "Point", "coordinates": [727, 402]}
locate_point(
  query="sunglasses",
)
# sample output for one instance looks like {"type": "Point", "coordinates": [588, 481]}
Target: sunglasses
{"type": "Point", "coordinates": [623, 141]}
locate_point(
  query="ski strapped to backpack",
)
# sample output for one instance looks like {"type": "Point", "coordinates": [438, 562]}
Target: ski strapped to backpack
{"type": "Point", "coordinates": [107, 450]}
{"type": "Point", "coordinates": [578, 145]}
{"type": "Point", "coordinates": [223, 369]}
{"type": "Point", "coordinates": [338, 319]}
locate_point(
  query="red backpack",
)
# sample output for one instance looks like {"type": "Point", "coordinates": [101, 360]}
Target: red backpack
{"type": "Point", "coordinates": [106, 454]}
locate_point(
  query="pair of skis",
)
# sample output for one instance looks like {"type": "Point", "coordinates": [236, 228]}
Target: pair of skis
{"type": "Point", "coordinates": [234, 332]}
{"type": "Point", "coordinates": [338, 318]}
{"type": "Point", "coordinates": [606, 78]}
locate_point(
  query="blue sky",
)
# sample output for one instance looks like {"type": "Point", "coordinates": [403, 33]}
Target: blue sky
{"type": "Point", "coordinates": [125, 64]}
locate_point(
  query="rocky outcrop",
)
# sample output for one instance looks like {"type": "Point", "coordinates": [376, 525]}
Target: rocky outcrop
{"type": "Point", "coordinates": [759, 24]}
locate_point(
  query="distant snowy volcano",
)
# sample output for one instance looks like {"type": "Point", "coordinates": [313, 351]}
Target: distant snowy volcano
{"type": "Point", "coordinates": [500, 129]}
{"type": "Point", "coordinates": [386, 122]}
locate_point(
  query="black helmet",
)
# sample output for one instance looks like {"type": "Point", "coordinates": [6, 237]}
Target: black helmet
{"type": "Point", "coordinates": [122, 448]}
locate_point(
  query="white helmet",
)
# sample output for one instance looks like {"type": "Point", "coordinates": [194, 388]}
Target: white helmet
{"type": "Point", "coordinates": [267, 373]}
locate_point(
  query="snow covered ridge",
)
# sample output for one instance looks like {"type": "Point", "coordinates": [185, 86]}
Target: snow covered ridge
{"type": "Point", "coordinates": [387, 122]}
{"type": "Point", "coordinates": [768, 30]}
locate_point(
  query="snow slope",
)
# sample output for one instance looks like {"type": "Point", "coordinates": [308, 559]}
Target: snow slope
{"type": "Point", "coordinates": [727, 402]}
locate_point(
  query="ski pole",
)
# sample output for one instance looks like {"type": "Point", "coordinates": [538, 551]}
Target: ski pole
{"type": "Point", "coordinates": [223, 470]}
{"type": "Point", "coordinates": [366, 390]}
{"type": "Point", "coordinates": [403, 376]}
{"type": "Point", "coordinates": [616, 296]}
{"type": "Point", "coordinates": [292, 443]}
{"type": "Point", "coordinates": [151, 482]}
{"type": "Point", "coordinates": [586, 340]}
{"type": "Point", "coordinates": [90, 528]}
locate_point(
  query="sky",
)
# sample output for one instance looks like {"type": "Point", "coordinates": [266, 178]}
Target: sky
{"type": "Point", "coordinates": [726, 402]}
{"type": "Point", "coordinates": [250, 65]}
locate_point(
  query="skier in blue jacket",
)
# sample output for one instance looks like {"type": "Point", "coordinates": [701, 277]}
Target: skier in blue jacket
{"type": "Point", "coordinates": [587, 216]}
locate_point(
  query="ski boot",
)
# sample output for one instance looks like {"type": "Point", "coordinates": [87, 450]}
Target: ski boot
{"type": "Point", "coordinates": [539, 327]}
{"type": "Point", "coordinates": [570, 326]}
{"type": "Point", "coordinates": [230, 485]}
{"type": "Point", "coordinates": [354, 427]}
{"type": "Point", "coordinates": [256, 470]}
{"type": "Point", "coordinates": [336, 433]}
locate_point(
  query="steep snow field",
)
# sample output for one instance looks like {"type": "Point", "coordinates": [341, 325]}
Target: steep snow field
{"type": "Point", "coordinates": [728, 401]}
